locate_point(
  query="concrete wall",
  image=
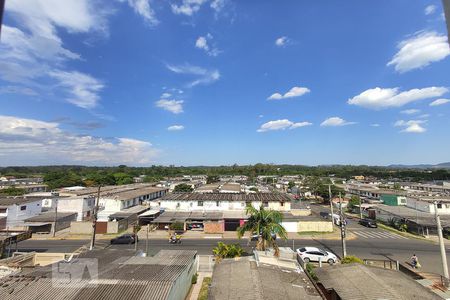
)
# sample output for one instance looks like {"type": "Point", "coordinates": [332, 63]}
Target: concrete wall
{"type": "Point", "coordinates": [44, 259]}
{"type": "Point", "coordinates": [116, 227]}
{"type": "Point", "coordinates": [213, 227]}
{"type": "Point", "coordinates": [301, 212]}
{"type": "Point", "coordinates": [316, 226]}
{"type": "Point", "coordinates": [81, 227]}
{"type": "Point", "coordinates": [219, 205]}
{"type": "Point", "coordinates": [15, 215]}
{"type": "Point", "coordinates": [183, 283]}
{"type": "Point", "coordinates": [428, 206]}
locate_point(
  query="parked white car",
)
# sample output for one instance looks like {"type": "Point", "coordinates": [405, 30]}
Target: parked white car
{"type": "Point", "coordinates": [308, 254]}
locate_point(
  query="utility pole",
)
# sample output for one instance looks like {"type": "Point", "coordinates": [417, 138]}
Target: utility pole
{"type": "Point", "coordinates": [342, 225]}
{"type": "Point", "coordinates": [441, 242]}
{"type": "Point", "coordinates": [56, 216]}
{"type": "Point", "coordinates": [136, 236]}
{"type": "Point", "coordinates": [331, 205]}
{"type": "Point", "coordinates": [94, 219]}
{"type": "Point", "coordinates": [360, 208]}
{"type": "Point", "coordinates": [146, 241]}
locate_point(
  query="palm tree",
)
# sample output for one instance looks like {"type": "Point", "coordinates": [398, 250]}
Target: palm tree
{"type": "Point", "coordinates": [265, 223]}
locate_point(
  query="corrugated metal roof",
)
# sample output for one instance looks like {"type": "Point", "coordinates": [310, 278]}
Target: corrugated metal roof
{"type": "Point", "coordinates": [50, 216]}
{"type": "Point", "coordinates": [261, 197]}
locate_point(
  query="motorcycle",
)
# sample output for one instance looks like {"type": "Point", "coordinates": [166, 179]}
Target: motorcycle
{"type": "Point", "coordinates": [175, 240]}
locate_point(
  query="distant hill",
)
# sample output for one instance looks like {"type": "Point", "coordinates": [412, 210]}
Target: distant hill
{"type": "Point", "coordinates": [445, 165]}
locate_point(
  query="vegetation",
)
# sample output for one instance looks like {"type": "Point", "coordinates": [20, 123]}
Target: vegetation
{"type": "Point", "coordinates": [291, 184]}
{"type": "Point", "coordinates": [254, 189]}
{"type": "Point", "coordinates": [12, 191]}
{"type": "Point", "coordinates": [59, 176]}
{"type": "Point", "coordinates": [194, 278]}
{"type": "Point", "coordinates": [400, 225]}
{"type": "Point", "coordinates": [212, 179]}
{"type": "Point", "coordinates": [203, 294]}
{"type": "Point", "coordinates": [354, 202]}
{"type": "Point", "coordinates": [265, 222]}
{"type": "Point", "coordinates": [227, 250]}
{"type": "Point", "coordinates": [183, 188]}
{"type": "Point", "coordinates": [177, 226]}
{"type": "Point", "coordinates": [309, 268]}
{"type": "Point", "coordinates": [350, 259]}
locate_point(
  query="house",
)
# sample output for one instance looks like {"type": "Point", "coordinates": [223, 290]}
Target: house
{"type": "Point", "coordinates": [230, 188]}
{"type": "Point", "coordinates": [208, 188]}
{"type": "Point", "coordinates": [393, 198]}
{"type": "Point", "coordinates": [107, 274]}
{"type": "Point", "coordinates": [17, 209]}
{"type": "Point", "coordinates": [426, 204]}
{"type": "Point", "coordinates": [246, 278]}
{"type": "Point", "coordinates": [224, 201]}
{"type": "Point", "coordinates": [50, 221]}
{"type": "Point", "coordinates": [360, 282]}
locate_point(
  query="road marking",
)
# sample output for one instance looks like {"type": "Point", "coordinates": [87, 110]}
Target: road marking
{"type": "Point", "coordinates": [212, 237]}
{"type": "Point", "coordinates": [378, 235]}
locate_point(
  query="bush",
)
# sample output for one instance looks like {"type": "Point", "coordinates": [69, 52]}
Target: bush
{"type": "Point", "coordinates": [194, 278]}
{"type": "Point", "coordinates": [309, 268]}
{"type": "Point", "coordinates": [177, 226]}
{"type": "Point", "coordinates": [228, 251]}
{"type": "Point", "coordinates": [350, 259]}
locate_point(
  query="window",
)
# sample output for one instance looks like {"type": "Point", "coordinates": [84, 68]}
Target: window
{"type": "Point", "coordinates": [2, 210]}
{"type": "Point", "coordinates": [439, 205]}
{"type": "Point", "coordinates": [199, 203]}
{"type": "Point", "coordinates": [24, 207]}
{"type": "Point", "coordinates": [281, 203]}
{"type": "Point", "coordinates": [266, 204]}
{"type": "Point", "coordinates": [217, 203]}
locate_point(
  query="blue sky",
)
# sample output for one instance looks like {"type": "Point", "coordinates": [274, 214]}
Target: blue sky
{"type": "Point", "coordinates": [210, 82]}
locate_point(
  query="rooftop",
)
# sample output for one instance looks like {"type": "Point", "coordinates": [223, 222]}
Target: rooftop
{"type": "Point", "coordinates": [261, 197]}
{"type": "Point", "coordinates": [8, 201]}
{"type": "Point", "coordinates": [350, 283]}
{"type": "Point", "coordinates": [120, 276]}
{"type": "Point", "coordinates": [50, 216]}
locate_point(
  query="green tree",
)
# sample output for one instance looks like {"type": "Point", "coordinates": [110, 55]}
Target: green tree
{"type": "Point", "coordinates": [254, 189]}
{"type": "Point", "coordinates": [212, 179]}
{"type": "Point", "coordinates": [122, 178]}
{"type": "Point", "coordinates": [12, 191]}
{"type": "Point", "coordinates": [291, 184]}
{"type": "Point", "coordinates": [265, 223]}
{"type": "Point", "coordinates": [183, 188]}
{"type": "Point", "coordinates": [354, 202]}
{"type": "Point", "coordinates": [397, 186]}
{"type": "Point", "coordinates": [227, 251]}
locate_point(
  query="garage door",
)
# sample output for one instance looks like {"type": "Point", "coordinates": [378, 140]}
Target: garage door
{"type": "Point", "coordinates": [231, 225]}
{"type": "Point", "coordinates": [290, 226]}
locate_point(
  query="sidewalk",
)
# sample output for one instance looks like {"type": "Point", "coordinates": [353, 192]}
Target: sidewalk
{"type": "Point", "coordinates": [197, 287]}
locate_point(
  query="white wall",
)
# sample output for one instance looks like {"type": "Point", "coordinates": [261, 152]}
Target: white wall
{"type": "Point", "coordinates": [82, 206]}
{"type": "Point", "coordinates": [15, 216]}
{"type": "Point", "coordinates": [219, 206]}
{"type": "Point", "coordinates": [428, 207]}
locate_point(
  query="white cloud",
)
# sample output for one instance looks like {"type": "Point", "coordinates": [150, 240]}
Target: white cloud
{"type": "Point", "coordinates": [281, 125]}
{"type": "Point", "coordinates": [335, 121]}
{"type": "Point", "coordinates": [29, 141]}
{"type": "Point", "coordinates": [411, 126]}
{"type": "Point", "coordinates": [281, 41]}
{"type": "Point", "coordinates": [411, 111]}
{"type": "Point", "coordinates": [175, 127]}
{"type": "Point", "coordinates": [218, 5]}
{"type": "Point", "coordinates": [293, 92]}
{"type": "Point", "coordinates": [439, 102]}
{"type": "Point", "coordinates": [14, 89]}
{"type": "Point", "coordinates": [204, 76]}
{"type": "Point", "coordinates": [202, 43]}
{"type": "Point", "coordinates": [420, 51]}
{"type": "Point", "coordinates": [166, 95]}
{"type": "Point", "coordinates": [174, 106]}
{"type": "Point", "coordinates": [430, 9]}
{"type": "Point", "coordinates": [187, 7]}
{"type": "Point", "coordinates": [375, 125]}
{"type": "Point", "coordinates": [83, 88]}
{"type": "Point", "coordinates": [381, 98]}
{"type": "Point", "coordinates": [143, 8]}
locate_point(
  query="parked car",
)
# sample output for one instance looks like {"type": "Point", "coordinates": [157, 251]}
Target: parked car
{"type": "Point", "coordinates": [324, 214]}
{"type": "Point", "coordinates": [308, 254]}
{"type": "Point", "coordinates": [129, 238]}
{"type": "Point", "coordinates": [368, 223]}
{"type": "Point", "coordinates": [255, 237]}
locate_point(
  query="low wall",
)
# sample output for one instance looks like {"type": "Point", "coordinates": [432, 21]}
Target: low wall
{"type": "Point", "coordinates": [316, 226]}
{"type": "Point", "coordinates": [81, 227]}
{"type": "Point", "coordinates": [300, 212]}
{"type": "Point", "coordinates": [116, 227]}
{"type": "Point", "coordinates": [44, 259]}
{"type": "Point", "coordinates": [213, 227]}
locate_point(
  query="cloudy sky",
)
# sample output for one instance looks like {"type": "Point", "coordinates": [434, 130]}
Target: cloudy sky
{"type": "Point", "coordinates": [189, 82]}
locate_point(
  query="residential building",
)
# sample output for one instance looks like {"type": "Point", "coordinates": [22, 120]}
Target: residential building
{"type": "Point", "coordinates": [120, 275]}
{"type": "Point", "coordinates": [17, 209]}
{"type": "Point", "coordinates": [234, 188]}
{"type": "Point", "coordinates": [224, 201]}
{"type": "Point", "coordinates": [426, 204]}
{"type": "Point", "coordinates": [356, 281]}
{"type": "Point", "coordinates": [393, 198]}
{"type": "Point", "coordinates": [50, 221]}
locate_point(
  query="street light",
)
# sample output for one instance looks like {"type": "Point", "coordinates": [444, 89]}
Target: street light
{"type": "Point", "coordinates": [441, 241]}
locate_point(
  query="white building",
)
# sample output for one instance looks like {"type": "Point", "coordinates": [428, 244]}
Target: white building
{"type": "Point", "coordinates": [223, 202]}
{"type": "Point", "coordinates": [426, 204]}
{"type": "Point", "coordinates": [17, 209]}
